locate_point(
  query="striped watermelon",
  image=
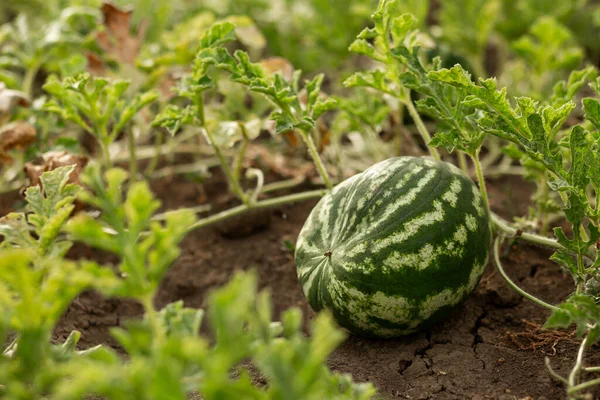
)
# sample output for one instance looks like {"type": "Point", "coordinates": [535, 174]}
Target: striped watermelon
{"type": "Point", "coordinates": [392, 249]}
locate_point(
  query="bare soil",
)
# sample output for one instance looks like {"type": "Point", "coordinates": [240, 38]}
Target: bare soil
{"type": "Point", "coordinates": [489, 348]}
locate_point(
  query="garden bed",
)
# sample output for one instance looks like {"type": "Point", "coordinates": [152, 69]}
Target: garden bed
{"type": "Point", "coordinates": [488, 348]}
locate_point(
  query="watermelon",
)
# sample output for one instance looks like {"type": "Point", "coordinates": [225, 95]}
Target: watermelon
{"type": "Point", "coordinates": [393, 249]}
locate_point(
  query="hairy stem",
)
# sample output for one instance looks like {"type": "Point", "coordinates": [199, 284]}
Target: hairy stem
{"type": "Point", "coordinates": [156, 156]}
{"type": "Point", "coordinates": [554, 373]}
{"type": "Point", "coordinates": [239, 160]}
{"type": "Point", "coordinates": [234, 183]}
{"type": "Point", "coordinates": [462, 162]}
{"type": "Point", "coordinates": [545, 193]}
{"type": "Point", "coordinates": [105, 154]}
{"type": "Point", "coordinates": [574, 375]}
{"type": "Point", "coordinates": [501, 225]}
{"type": "Point", "coordinates": [196, 210]}
{"type": "Point", "coordinates": [316, 158]}
{"type": "Point", "coordinates": [481, 180]}
{"type": "Point", "coordinates": [132, 157]}
{"type": "Point", "coordinates": [152, 316]}
{"type": "Point", "coordinates": [255, 206]}
{"type": "Point", "coordinates": [514, 285]}
{"type": "Point", "coordinates": [29, 78]}
{"type": "Point", "coordinates": [420, 125]}
{"type": "Point", "coordinates": [584, 385]}
{"type": "Point", "coordinates": [280, 185]}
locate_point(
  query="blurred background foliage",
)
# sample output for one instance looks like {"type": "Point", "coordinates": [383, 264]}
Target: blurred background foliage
{"type": "Point", "coordinates": [315, 34]}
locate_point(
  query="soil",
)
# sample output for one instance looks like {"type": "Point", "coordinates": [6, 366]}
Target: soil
{"type": "Point", "coordinates": [489, 348]}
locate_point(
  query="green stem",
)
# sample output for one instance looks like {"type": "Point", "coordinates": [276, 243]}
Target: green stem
{"type": "Point", "coordinates": [420, 125]}
{"type": "Point", "coordinates": [462, 162]}
{"type": "Point", "coordinates": [234, 184]}
{"type": "Point", "coordinates": [584, 385]}
{"type": "Point", "coordinates": [239, 160]}
{"type": "Point", "coordinates": [255, 206]}
{"type": "Point", "coordinates": [553, 373]}
{"type": "Point", "coordinates": [156, 156]}
{"type": "Point", "coordinates": [317, 160]}
{"type": "Point", "coordinates": [196, 210]}
{"type": "Point", "coordinates": [105, 154]}
{"type": "Point", "coordinates": [29, 78]}
{"type": "Point", "coordinates": [502, 225]}
{"type": "Point", "coordinates": [132, 157]}
{"type": "Point", "coordinates": [544, 217]}
{"type": "Point", "coordinates": [514, 285]}
{"type": "Point", "coordinates": [481, 179]}
{"type": "Point", "coordinates": [152, 316]}
{"type": "Point", "coordinates": [280, 185]}
{"type": "Point", "coordinates": [574, 375]}
{"type": "Point", "coordinates": [196, 167]}
{"type": "Point", "coordinates": [400, 128]}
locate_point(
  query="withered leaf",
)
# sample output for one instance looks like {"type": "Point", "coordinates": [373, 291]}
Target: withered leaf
{"type": "Point", "coordinates": [116, 39]}
{"type": "Point", "coordinates": [9, 99]}
{"type": "Point", "coordinates": [278, 65]}
{"type": "Point", "coordinates": [53, 159]}
{"type": "Point", "coordinates": [15, 136]}
{"type": "Point", "coordinates": [95, 65]}
{"type": "Point", "coordinates": [325, 135]}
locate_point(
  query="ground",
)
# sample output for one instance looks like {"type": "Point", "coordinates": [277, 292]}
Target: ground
{"type": "Point", "coordinates": [489, 348]}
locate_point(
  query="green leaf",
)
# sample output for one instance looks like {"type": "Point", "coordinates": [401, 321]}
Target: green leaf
{"type": "Point", "coordinates": [141, 100]}
{"type": "Point", "coordinates": [173, 118]}
{"type": "Point", "coordinates": [375, 79]}
{"type": "Point", "coordinates": [139, 206]}
{"type": "Point", "coordinates": [361, 46]}
{"type": "Point", "coordinates": [580, 310]}
{"type": "Point", "coordinates": [559, 319]}
{"type": "Point", "coordinates": [218, 34]}
{"type": "Point", "coordinates": [179, 321]}
{"type": "Point", "coordinates": [564, 91]}
{"type": "Point", "coordinates": [591, 109]}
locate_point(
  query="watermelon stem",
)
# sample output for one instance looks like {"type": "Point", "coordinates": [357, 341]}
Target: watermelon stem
{"type": "Point", "coordinates": [514, 285]}
{"type": "Point", "coordinates": [232, 212]}
{"type": "Point", "coordinates": [317, 160]}
{"type": "Point", "coordinates": [420, 125]}
{"type": "Point", "coordinates": [234, 184]}
{"type": "Point", "coordinates": [481, 179]}
{"type": "Point", "coordinates": [501, 225]}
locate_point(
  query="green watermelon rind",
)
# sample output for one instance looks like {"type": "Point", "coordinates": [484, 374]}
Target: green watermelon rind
{"type": "Point", "coordinates": [393, 249]}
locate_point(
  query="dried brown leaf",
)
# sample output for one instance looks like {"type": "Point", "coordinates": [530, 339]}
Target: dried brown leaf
{"type": "Point", "coordinates": [52, 160]}
{"type": "Point", "coordinates": [324, 136]}
{"type": "Point", "coordinates": [274, 65]}
{"type": "Point", "coordinates": [15, 136]}
{"type": "Point", "coordinates": [116, 38]}
{"type": "Point", "coordinates": [95, 65]}
{"type": "Point", "coordinates": [9, 99]}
